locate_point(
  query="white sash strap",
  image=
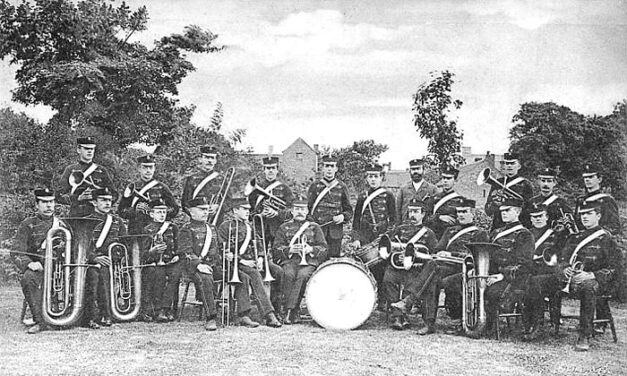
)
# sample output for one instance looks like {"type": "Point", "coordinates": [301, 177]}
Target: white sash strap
{"type": "Point", "coordinates": [443, 201]}
{"type": "Point", "coordinates": [206, 244]}
{"type": "Point", "coordinates": [105, 231]}
{"type": "Point", "coordinates": [92, 167]}
{"type": "Point", "coordinates": [300, 231]}
{"type": "Point", "coordinates": [204, 182]}
{"type": "Point", "coordinates": [583, 243]}
{"type": "Point", "coordinates": [514, 182]}
{"type": "Point", "coordinates": [371, 197]}
{"type": "Point", "coordinates": [144, 189]}
{"type": "Point", "coordinates": [549, 200]}
{"type": "Point", "coordinates": [323, 193]}
{"type": "Point", "coordinates": [543, 238]}
{"type": "Point", "coordinates": [596, 197]}
{"type": "Point", "coordinates": [163, 228]}
{"type": "Point", "coordinates": [246, 241]}
{"type": "Point", "coordinates": [418, 235]}
{"type": "Point", "coordinates": [460, 233]}
{"type": "Point", "coordinates": [508, 231]}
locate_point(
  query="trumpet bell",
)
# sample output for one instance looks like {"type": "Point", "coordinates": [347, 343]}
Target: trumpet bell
{"type": "Point", "coordinates": [483, 176]}
{"type": "Point", "coordinates": [250, 186]}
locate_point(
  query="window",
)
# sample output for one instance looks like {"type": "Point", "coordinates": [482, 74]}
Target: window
{"type": "Point", "coordinates": [299, 156]}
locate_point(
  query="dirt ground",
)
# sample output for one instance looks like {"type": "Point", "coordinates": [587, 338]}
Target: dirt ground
{"type": "Point", "coordinates": [185, 348]}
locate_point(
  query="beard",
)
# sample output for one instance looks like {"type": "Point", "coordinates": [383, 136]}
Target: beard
{"type": "Point", "coordinates": [416, 177]}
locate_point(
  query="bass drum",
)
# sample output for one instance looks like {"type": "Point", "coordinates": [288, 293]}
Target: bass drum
{"type": "Point", "coordinates": [341, 294]}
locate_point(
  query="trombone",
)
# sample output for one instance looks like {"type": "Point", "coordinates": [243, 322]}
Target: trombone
{"type": "Point", "coordinates": [260, 236]}
{"type": "Point", "coordinates": [218, 198]}
{"type": "Point", "coordinates": [486, 177]}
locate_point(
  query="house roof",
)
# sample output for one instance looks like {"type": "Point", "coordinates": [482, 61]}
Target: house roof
{"type": "Point", "coordinates": [299, 140]}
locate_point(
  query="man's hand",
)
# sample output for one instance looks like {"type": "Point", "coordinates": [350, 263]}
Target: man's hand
{"type": "Point", "coordinates": [249, 263]}
{"type": "Point", "coordinates": [337, 219]}
{"type": "Point", "coordinates": [384, 253]}
{"type": "Point", "coordinates": [35, 266]}
{"type": "Point", "coordinates": [103, 260]}
{"type": "Point", "coordinates": [229, 256]}
{"type": "Point", "coordinates": [307, 249]}
{"type": "Point", "coordinates": [494, 279]}
{"type": "Point", "coordinates": [569, 272]}
{"type": "Point", "coordinates": [85, 195]}
{"type": "Point", "coordinates": [447, 219]}
{"type": "Point", "coordinates": [582, 276]}
{"type": "Point", "coordinates": [356, 244]}
{"type": "Point", "coordinates": [142, 207]}
{"type": "Point", "coordinates": [175, 259]}
{"type": "Point", "coordinates": [204, 268]}
{"type": "Point", "coordinates": [259, 263]}
{"type": "Point", "coordinates": [269, 212]}
{"type": "Point", "coordinates": [213, 208]}
{"type": "Point", "coordinates": [159, 248]}
{"type": "Point", "coordinates": [443, 254]}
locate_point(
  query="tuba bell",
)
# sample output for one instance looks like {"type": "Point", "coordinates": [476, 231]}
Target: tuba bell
{"type": "Point", "coordinates": [125, 278]}
{"type": "Point", "coordinates": [65, 271]}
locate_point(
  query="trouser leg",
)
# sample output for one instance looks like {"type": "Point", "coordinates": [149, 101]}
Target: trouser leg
{"type": "Point", "coordinates": [301, 276]}
{"type": "Point", "coordinates": [33, 293]}
{"type": "Point", "coordinates": [159, 281]}
{"type": "Point", "coordinates": [203, 282]}
{"type": "Point", "coordinates": [289, 281]}
{"type": "Point", "coordinates": [453, 290]}
{"type": "Point", "coordinates": [242, 294]}
{"type": "Point", "coordinates": [392, 280]}
{"type": "Point", "coordinates": [586, 291]}
{"type": "Point", "coordinates": [276, 286]}
{"type": "Point", "coordinates": [492, 300]}
{"type": "Point", "coordinates": [104, 292]}
{"type": "Point", "coordinates": [256, 283]}
{"type": "Point", "coordinates": [173, 277]}
{"type": "Point", "coordinates": [91, 289]}
{"type": "Point", "coordinates": [149, 281]}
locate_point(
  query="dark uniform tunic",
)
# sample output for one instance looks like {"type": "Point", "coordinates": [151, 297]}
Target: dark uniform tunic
{"type": "Point", "coordinates": [160, 282]}
{"type": "Point", "coordinates": [442, 204]}
{"type": "Point", "coordinates": [208, 191]}
{"type": "Point", "coordinates": [409, 192]}
{"type": "Point", "coordinates": [601, 257]}
{"type": "Point", "coordinates": [610, 218]}
{"type": "Point", "coordinates": [256, 200]}
{"type": "Point", "coordinates": [138, 219]}
{"type": "Point", "coordinates": [394, 278]}
{"type": "Point", "coordinates": [296, 275]}
{"type": "Point", "coordinates": [192, 237]}
{"type": "Point", "coordinates": [450, 275]}
{"type": "Point", "coordinates": [523, 188]}
{"type": "Point", "coordinates": [334, 203]}
{"type": "Point", "coordinates": [82, 208]}
{"type": "Point", "coordinates": [514, 261]}
{"type": "Point", "coordinates": [376, 218]}
{"type": "Point", "coordinates": [30, 238]}
{"type": "Point", "coordinates": [555, 209]}
{"type": "Point", "coordinates": [98, 287]}
{"type": "Point", "coordinates": [248, 275]}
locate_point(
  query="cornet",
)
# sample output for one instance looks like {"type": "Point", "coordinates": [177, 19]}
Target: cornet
{"type": "Point", "coordinates": [270, 201]}
{"type": "Point", "coordinates": [578, 267]}
{"type": "Point", "coordinates": [303, 256]}
{"type": "Point", "coordinates": [565, 222]}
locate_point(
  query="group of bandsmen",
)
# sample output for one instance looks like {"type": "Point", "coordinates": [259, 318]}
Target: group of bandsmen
{"type": "Point", "coordinates": [540, 238]}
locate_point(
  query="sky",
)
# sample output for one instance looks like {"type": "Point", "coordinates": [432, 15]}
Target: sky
{"type": "Point", "coordinates": [334, 72]}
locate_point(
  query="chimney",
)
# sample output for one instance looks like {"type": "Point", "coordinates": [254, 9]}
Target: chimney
{"type": "Point", "coordinates": [489, 157]}
{"type": "Point", "coordinates": [387, 166]}
{"type": "Point", "coordinates": [316, 148]}
{"type": "Point", "coordinates": [270, 149]}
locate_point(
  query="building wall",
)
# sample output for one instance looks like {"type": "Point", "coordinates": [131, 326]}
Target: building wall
{"type": "Point", "coordinates": [299, 161]}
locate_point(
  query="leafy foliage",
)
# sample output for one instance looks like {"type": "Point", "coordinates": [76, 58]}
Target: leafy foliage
{"type": "Point", "coordinates": [352, 161]}
{"type": "Point", "coordinates": [432, 108]}
{"type": "Point", "coordinates": [78, 59]}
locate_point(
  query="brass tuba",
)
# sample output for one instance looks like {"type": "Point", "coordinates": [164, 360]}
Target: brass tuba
{"type": "Point", "coordinates": [65, 272]}
{"type": "Point", "coordinates": [474, 316]}
{"type": "Point", "coordinates": [125, 279]}
{"type": "Point", "coordinates": [486, 177]}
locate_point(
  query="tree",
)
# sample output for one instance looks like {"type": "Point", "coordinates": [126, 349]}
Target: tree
{"type": "Point", "coordinates": [79, 60]}
{"type": "Point", "coordinates": [216, 118]}
{"type": "Point", "coordinates": [352, 161]}
{"type": "Point", "coordinates": [432, 108]}
{"type": "Point", "coordinates": [549, 135]}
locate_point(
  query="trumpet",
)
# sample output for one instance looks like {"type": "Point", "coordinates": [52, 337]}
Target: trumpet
{"type": "Point", "coordinates": [302, 241]}
{"type": "Point", "coordinates": [578, 267]}
{"type": "Point", "coordinates": [565, 222]}
{"type": "Point", "coordinates": [218, 198]}
{"type": "Point", "coordinates": [486, 177]}
{"type": "Point", "coordinates": [125, 285]}
{"type": "Point", "coordinates": [549, 257]}
{"type": "Point", "coordinates": [157, 239]}
{"type": "Point", "coordinates": [269, 200]}
{"type": "Point", "coordinates": [260, 236]}
{"type": "Point", "coordinates": [77, 178]}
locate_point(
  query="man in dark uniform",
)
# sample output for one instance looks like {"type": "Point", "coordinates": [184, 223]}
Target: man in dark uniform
{"type": "Point", "coordinates": [610, 218]}
{"type": "Point", "coordinates": [238, 233]}
{"type": "Point", "coordinates": [271, 217]}
{"type": "Point", "coordinates": [543, 282]}
{"type": "Point", "coordinates": [206, 182]}
{"type": "Point", "coordinates": [134, 205]}
{"type": "Point", "coordinates": [556, 207]}
{"type": "Point", "coordinates": [329, 205]}
{"type": "Point", "coordinates": [198, 242]}
{"type": "Point", "coordinates": [511, 266]}
{"type": "Point", "coordinates": [294, 240]}
{"type": "Point", "coordinates": [80, 179]}
{"type": "Point", "coordinates": [417, 188]}
{"type": "Point", "coordinates": [375, 215]}
{"type": "Point", "coordinates": [402, 271]}
{"type": "Point", "coordinates": [161, 282]}
{"type": "Point", "coordinates": [596, 251]}
{"type": "Point", "coordinates": [442, 205]}
{"type": "Point", "coordinates": [30, 247]}
{"type": "Point", "coordinates": [97, 289]}
{"type": "Point", "coordinates": [514, 182]}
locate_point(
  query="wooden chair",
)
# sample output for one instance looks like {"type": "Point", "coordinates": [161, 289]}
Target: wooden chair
{"type": "Point", "coordinates": [602, 300]}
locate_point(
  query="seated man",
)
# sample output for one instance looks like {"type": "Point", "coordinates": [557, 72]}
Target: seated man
{"type": "Point", "coordinates": [589, 264]}
{"type": "Point", "coordinates": [294, 240]}
{"type": "Point", "coordinates": [403, 271]}
{"type": "Point", "coordinates": [29, 249]}
{"type": "Point", "coordinates": [162, 245]}
{"type": "Point", "coordinates": [97, 289]}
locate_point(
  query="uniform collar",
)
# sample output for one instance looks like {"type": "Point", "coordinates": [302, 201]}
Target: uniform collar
{"type": "Point", "coordinates": [510, 225]}
{"type": "Point", "coordinates": [193, 221]}
{"type": "Point", "coordinates": [327, 181]}
{"type": "Point", "coordinates": [590, 193]}
{"type": "Point", "coordinates": [44, 218]}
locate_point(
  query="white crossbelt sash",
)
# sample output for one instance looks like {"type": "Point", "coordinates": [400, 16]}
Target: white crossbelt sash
{"type": "Point", "coordinates": [371, 197]}
{"type": "Point", "coordinates": [596, 197]}
{"type": "Point", "coordinates": [92, 167]}
{"type": "Point", "coordinates": [323, 193]}
{"type": "Point", "coordinates": [549, 200]}
{"type": "Point", "coordinates": [584, 242]}
{"type": "Point", "coordinates": [207, 243]}
{"type": "Point", "coordinates": [244, 246]}
{"type": "Point", "coordinates": [204, 182]}
{"type": "Point", "coordinates": [163, 228]}
{"type": "Point", "coordinates": [541, 240]}
{"type": "Point", "coordinates": [418, 235]}
{"type": "Point", "coordinates": [105, 231]}
{"type": "Point", "coordinates": [443, 201]}
{"type": "Point", "coordinates": [514, 182]}
{"type": "Point", "coordinates": [508, 231]}
{"type": "Point", "coordinates": [460, 233]}
{"type": "Point", "coordinates": [144, 189]}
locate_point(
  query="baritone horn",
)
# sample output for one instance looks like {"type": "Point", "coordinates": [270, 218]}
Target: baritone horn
{"type": "Point", "coordinates": [65, 271]}
{"type": "Point", "coordinates": [125, 278]}
{"type": "Point", "coordinates": [486, 177]}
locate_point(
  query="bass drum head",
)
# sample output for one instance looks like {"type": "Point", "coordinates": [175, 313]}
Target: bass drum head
{"type": "Point", "coordinates": [341, 294]}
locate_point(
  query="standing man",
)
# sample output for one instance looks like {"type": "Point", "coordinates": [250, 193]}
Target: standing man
{"type": "Point", "coordinates": [134, 205]}
{"type": "Point", "coordinates": [589, 263]}
{"type": "Point", "coordinates": [610, 219]}
{"type": "Point", "coordinates": [329, 205]}
{"type": "Point", "coordinates": [556, 207]}
{"type": "Point", "coordinates": [442, 204]}
{"type": "Point", "coordinates": [511, 266]}
{"type": "Point", "coordinates": [97, 289]}
{"type": "Point", "coordinates": [238, 234]}
{"type": "Point", "coordinates": [79, 180]}
{"type": "Point", "coordinates": [30, 247]}
{"type": "Point", "coordinates": [296, 239]}
{"type": "Point", "coordinates": [417, 188]}
{"type": "Point", "coordinates": [512, 181]}
{"type": "Point", "coordinates": [206, 182]}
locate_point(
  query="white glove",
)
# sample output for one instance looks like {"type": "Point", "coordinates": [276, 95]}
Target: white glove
{"type": "Point", "coordinates": [204, 268]}
{"type": "Point", "coordinates": [383, 252]}
{"type": "Point", "coordinates": [35, 266]}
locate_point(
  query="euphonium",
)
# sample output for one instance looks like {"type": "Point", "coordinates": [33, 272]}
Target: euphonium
{"type": "Point", "coordinates": [124, 280]}
{"type": "Point", "coordinates": [474, 316]}
{"type": "Point", "coordinates": [218, 198]}
{"type": "Point", "coordinates": [486, 177]}
{"type": "Point", "coordinates": [403, 253]}
{"type": "Point", "coordinates": [64, 277]}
